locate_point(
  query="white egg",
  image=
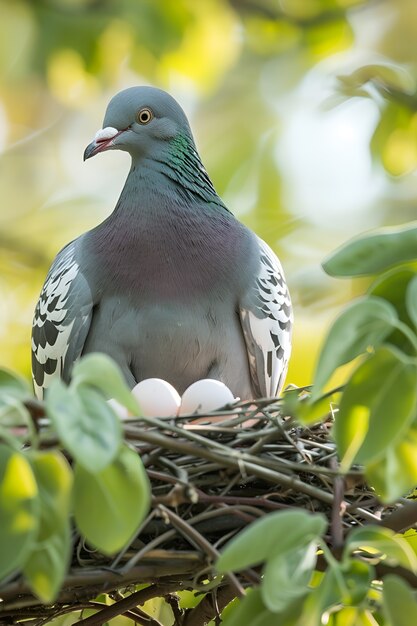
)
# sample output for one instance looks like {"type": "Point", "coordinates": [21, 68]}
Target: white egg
{"type": "Point", "coordinates": [204, 396]}
{"type": "Point", "coordinates": [120, 410]}
{"type": "Point", "coordinates": [157, 398]}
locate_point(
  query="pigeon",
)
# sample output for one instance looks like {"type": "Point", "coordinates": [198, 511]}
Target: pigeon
{"type": "Point", "coordinates": [171, 285]}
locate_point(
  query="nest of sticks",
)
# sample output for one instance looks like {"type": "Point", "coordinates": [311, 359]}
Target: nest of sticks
{"type": "Point", "coordinates": [210, 478]}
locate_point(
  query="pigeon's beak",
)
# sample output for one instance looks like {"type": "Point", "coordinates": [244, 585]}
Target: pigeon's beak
{"type": "Point", "coordinates": [103, 140]}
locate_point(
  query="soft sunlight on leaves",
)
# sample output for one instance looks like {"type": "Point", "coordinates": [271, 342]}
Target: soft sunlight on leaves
{"type": "Point", "coordinates": [87, 425]}
{"type": "Point", "coordinates": [19, 509]}
{"type": "Point", "coordinates": [373, 253]}
{"type": "Point", "coordinates": [400, 607]}
{"type": "Point", "coordinates": [385, 385]}
{"type": "Point", "coordinates": [363, 325]}
{"type": "Point", "coordinates": [110, 504]}
{"type": "Point", "coordinates": [262, 539]}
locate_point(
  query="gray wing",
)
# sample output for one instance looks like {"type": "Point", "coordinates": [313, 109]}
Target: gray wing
{"type": "Point", "coordinates": [266, 318]}
{"type": "Point", "coordinates": [61, 321]}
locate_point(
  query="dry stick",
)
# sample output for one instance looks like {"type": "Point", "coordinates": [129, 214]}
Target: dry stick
{"type": "Point", "coordinates": [206, 515]}
{"type": "Point", "coordinates": [174, 602]}
{"type": "Point", "coordinates": [370, 517]}
{"type": "Point", "coordinates": [272, 476]}
{"type": "Point", "coordinates": [123, 551]}
{"type": "Point", "coordinates": [52, 615]}
{"type": "Point", "coordinates": [135, 599]}
{"type": "Point", "coordinates": [44, 614]}
{"type": "Point", "coordinates": [262, 440]}
{"type": "Point", "coordinates": [81, 584]}
{"type": "Point", "coordinates": [135, 613]}
{"type": "Point", "coordinates": [194, 536]}
{"type": "Point", "coordinates": [172, 532]}
{"type": "Point", "coordinates": [401, 519]}
{"type": "Point", "coordinates": [138, 556]}
{"type": "Point", "coordinates": [206, 610]}
{"type": "Point", "coordinates": [255, 502]}
{"type": "Point", "coordinates": [337, 509]}
{"type": "Point", "coordinates": [141, 617]}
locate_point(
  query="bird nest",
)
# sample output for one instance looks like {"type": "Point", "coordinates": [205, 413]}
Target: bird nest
{"type": "Point", "coordinates": [210, 478]}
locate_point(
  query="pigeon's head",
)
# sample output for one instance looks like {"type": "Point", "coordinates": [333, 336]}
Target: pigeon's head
{"type": "Point", "coordinates": [140, 120]}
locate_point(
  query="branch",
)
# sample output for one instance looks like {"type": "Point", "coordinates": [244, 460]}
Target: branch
{"type": "Point", "coordinates": [209, 607]}
{"type": "Point", "coordinates": [272, 11]}
{"type": "Point", "coordinates": [237, 463]}
{"type": "Point", "coordinates": [401, 519]}
{"type": "Point", "coordinates": [135, 599]}
{"type": "Point", "coordinates": [195, 538]}
{"type": "Point", "coordinates": [338, 509]}
{"type": "Point", "coordinates": [90, 583]}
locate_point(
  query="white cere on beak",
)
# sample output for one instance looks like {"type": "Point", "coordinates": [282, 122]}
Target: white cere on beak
{"type": "Point", "coordinates": [106, 133]}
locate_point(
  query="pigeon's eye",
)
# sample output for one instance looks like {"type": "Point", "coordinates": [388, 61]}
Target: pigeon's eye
{"type": "Point", "coordinates": [144, 116]}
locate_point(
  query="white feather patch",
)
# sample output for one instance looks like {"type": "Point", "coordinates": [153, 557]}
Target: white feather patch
{"type": "Point", "coordinates": [105, 133]}
{"type": "Point", "coordinates": [52, 309]}
{"type": "Point", "coordinates": [267, 324]}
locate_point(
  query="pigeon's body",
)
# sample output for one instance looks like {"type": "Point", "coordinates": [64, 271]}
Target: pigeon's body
{"type": "Point", "coordinates": [171, 285]}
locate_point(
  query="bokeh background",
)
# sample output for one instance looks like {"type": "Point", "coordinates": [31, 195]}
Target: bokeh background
{"type": "Point", "coordinates": [304, 112]}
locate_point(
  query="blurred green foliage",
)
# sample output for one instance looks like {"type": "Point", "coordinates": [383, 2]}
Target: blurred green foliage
{"type": "Point", "coordinates": [245, 71]}
{"type": "Point", "coordinates": [375, 429]}
{"type": "Point", "coordinates": [105, 490]}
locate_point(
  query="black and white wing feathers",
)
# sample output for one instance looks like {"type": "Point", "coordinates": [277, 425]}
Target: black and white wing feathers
{"type": "Point", "coordinates": [61, 321]}
{"type": "Point", "coordinates": [266, 318]}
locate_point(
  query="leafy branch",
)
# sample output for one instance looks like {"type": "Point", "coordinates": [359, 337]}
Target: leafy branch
{"type": "Point", "coordinates": [299, 499]}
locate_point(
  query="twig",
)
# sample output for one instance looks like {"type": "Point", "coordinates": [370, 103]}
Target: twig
{"type": "Point", "coordinates": [206, 610]}
{"type": "Point", "coordinates": [89, 583]}
{"type": "Point", "coordinates": [135, 599]}
{"type": "Point", "coordinates": [212, 480]}
{"type": "Point", "coordinates": [401, 519]}
{"type": "Point", "coordinates": [192, 535]}
{"type": "Point", "coordinates": [288, 481]}
{"type": "Point", "coordinates": [337, 509]}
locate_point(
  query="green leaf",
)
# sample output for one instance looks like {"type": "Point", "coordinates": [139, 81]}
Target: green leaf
{"type": "Point", "coordinates": [12, 386]}
{"type": "Point", "coordinates": [303, 409]}
{"type": "Point", "coordinates": [99, 370]}
{"type": "Point", "coordinates": [47, 565]}
{"type": "Point", "coordinates": [396, 549]}
{"type": "Point", "coordinates": [13, 413]}
{"type": "Point", "coordinates": [411, 300]}
{"type": "Point", "coordinates": [388, 75]}
{"type": "Point", "coordinates": [357, 578]}
{"type": "Point", "coordinates": [395, 473]}
{"type": "Point", "coordinates": [392, 286]}
{"type": "Point", "coordinates": [286, 576]}
{"type": "Point", "coordinates": [322, 598]}
{"type": "Point", "coordinates": [110, 505]}
{"type": "Point", "coordinates": [341, 584]}
{"type": "Point", "coordinates": [16, 424]}
{"type": "Point", "coordinates": [54, 479]}
{"type": "Point", "coordinates": [364, 323]}
{"type": "Point", "coordinates": [399, 602]}
{"type": "Point", "coordinates": [19, 507]}
{"type": "Point", "coordinates": [392, 117]}
{"type": "Point", "coordinates": [85, 423]}
{"type": "Point", "coordinates": [251, 611]}
{"type": "Point", "coordinates": [353, 616]}
{"type": "Point", "coordinates": [377, 406]}
{"type": "Point", "coordinates": [375, 252]}
{"type": "Point", "coordinates": [263, 539]}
